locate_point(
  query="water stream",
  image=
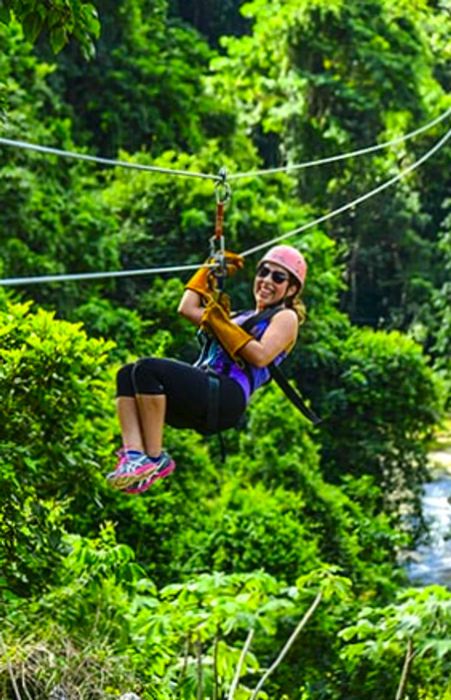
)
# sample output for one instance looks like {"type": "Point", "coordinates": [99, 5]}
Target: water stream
{"type": "Point", "coordinates": [431, 562]}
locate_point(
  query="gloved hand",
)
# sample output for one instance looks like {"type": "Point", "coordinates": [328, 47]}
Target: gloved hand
{"type": "Point", "coordinates": [231, 336]}
{"type": "Point", "coordinates": [203, 280]}
{"type": "Point", "coordinates": [234, 262]}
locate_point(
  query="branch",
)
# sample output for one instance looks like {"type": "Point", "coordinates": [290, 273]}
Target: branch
{"type": "Point", "coordinates": [287, 646]}
{"type": "Point", "coordinates": [405, 670]}
{"type": "Point", "coordinates": [215, 665]}
{"type": "Point", "coordinates": [237, 675]}
{"type": "Point", "coordinates": [200, 680]}
{"type": "Point", "coordinates": [185, 660]}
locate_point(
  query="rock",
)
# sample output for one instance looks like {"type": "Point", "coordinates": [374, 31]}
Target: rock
{"type": "Point", "coordinates": [58, 693]}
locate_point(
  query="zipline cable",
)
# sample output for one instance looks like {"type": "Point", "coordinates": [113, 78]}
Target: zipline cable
{"type": "Point", "coordinates": [344, 156]}
{"type": "Point", "coordinates": [14, 281]}
{"type": "Point", "coordinates": [188, 173]}
{"type": "Point", "coordinates": [105, 161]}
{"type": "Point", "coordinates": [356, 201]}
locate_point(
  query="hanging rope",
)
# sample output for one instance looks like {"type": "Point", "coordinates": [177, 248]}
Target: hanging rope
{"type": "Point", "coordinates": [104, 161]}
{"type": "Point", "coordinates": [344, 156]}
{"type": "Point", "coordinates": [355, 202]}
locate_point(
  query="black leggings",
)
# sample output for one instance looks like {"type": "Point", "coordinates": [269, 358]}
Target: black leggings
{"type": "Point", "coordinates": [187, 392]}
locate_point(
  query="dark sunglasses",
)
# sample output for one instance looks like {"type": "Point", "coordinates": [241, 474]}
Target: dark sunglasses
{"type": "Point", "coordinates": [275, 275]}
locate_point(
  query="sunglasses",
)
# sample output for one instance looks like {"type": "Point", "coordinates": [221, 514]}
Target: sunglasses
{"type": "Point", "coordinates": [275, 275]}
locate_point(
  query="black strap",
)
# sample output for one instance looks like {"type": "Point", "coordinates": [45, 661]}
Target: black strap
{"type": "Point", "coordinates": [213, 403]}
{"type": "Point", "coordinates": [264, 315]}
{"type": "Point", "coordinates": [275, 371]}
{"type": "Point", "coordinates": [222, 447]}
{"type": "Point", "coordinates": [292, 394]}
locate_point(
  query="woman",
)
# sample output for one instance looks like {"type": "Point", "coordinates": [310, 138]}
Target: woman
{"type": "Point", "coordinates": [153, 391]}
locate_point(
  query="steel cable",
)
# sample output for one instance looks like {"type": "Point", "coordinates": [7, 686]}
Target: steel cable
{"type": "Point", "coordinates": [14, 281]}
{"type": "Point", "coordinates": [105, 161]}
{"type": "Point", "coordinates": [344, 156]}
{"type": "Point", "coordinates": [354, 202]}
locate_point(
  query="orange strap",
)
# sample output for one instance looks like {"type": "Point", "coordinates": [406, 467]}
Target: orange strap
{"type": "Point", "coordinates": [219, 225]}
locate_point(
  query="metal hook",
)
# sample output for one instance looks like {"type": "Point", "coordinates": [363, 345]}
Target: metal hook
{"type": "Point", "coordinates": [223, 191]}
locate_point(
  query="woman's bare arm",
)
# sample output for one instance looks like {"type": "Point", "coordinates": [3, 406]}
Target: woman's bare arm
{"type": "Point", "coordinates": [191, 306]}
{"type": "Point", "coordinates": [280, 335]}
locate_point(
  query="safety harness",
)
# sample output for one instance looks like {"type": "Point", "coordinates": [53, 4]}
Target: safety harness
{"type": "Point", "coordinates": [276, 374]}
{"type": "Point", "coordinates": [217, 254]}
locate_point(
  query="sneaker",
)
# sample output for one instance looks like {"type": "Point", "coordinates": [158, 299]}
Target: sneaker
{"type": "Point", "coordinates": [131, 469]}
{"type": "Point", "coordinates": [165, 466]}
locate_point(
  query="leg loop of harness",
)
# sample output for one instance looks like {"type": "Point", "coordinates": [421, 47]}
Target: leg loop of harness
{"type": "Point", "coordinates": [213, 402]}
{"type": "Point", "coordinates": [213, 410]}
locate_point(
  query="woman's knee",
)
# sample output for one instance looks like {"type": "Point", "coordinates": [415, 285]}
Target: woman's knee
{"type": "Point", "coordinates": [146, 376]}
{"type": "Point", "coordinates": [124, 382]}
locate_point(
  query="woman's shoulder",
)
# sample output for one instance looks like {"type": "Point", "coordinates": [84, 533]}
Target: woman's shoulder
{"type": "Point", "coordinates": [286, 315]}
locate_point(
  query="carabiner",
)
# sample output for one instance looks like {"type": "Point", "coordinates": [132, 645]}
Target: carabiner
{"type": "Point", "coordinates": [223, 191]}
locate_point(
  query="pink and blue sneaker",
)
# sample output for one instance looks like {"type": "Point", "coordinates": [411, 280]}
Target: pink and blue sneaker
{"type": "Point", "coordinates": [135, 471]}
{"type": "Point", "coordinates": [132, 466]}
{"type": "Point", "coordinates": [165, 465]}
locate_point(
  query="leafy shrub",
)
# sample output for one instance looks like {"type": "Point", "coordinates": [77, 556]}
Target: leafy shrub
{"type": "Point", "coordinates": [413, 632]}
{"type": "Point", "coordinates": [382, 403]}
{"type": "Point", "coordinates": [54, 404]}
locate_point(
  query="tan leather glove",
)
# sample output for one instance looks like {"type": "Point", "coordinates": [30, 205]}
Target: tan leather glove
{"type": "Point", "coordinates": [203, 280]}
{"type": "Point", "coordinates": [231, 336]}
{"type": "Point", "coordinates": [234, 262]}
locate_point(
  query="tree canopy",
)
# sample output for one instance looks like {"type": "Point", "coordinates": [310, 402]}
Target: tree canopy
{"type": "Point", "coordinates": [102, 594]}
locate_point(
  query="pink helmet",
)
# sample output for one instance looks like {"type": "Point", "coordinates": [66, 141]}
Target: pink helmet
{"type": "Point", "coordinates": [288, 257]}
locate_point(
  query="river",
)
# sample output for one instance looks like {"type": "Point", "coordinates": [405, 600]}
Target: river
{"type": "Point", "coordinates": [431, 562]}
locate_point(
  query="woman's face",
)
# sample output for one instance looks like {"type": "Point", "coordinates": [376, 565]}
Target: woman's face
{"type": "Point", "coordinates": [272, 285]}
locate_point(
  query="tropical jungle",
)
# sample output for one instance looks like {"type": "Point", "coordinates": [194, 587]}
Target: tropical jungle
{"type": "Point", "coordinates": [271, 564]}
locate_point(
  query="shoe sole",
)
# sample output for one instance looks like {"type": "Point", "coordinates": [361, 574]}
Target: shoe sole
{"type": "Point", "coordinates": [152, 479]}
{"type": "Point", "coordinates": [123, 481]}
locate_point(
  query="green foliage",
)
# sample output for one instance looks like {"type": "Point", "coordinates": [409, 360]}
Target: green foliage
{"type": "Point", "coordinates": [126, 326]}
{"type": "Point", "coordinates": [433, 322]}
{"type": "Point", "coordinates": [315, 79]}
{"type": "Point", "coordinates": [382, 402]}
{"type": "Point", "coordinates": [416, 625]}
{"type": "Point", "coordinates": [56, 220]}
{"type": "Point", "coordinates": [162, 601]}
{"type": "Point", "coordinates": [59, 20]}
{"type": "Point", "coordinates": [145, 87]}
{"type": "Point", "coordinates": [214, 19]}
{"type": "Point", "coordinates": [54, 404]}
{"type": "Point", "coordinates": [337, 518]}
{"type": "Point", "coordinates": [97, 579]}
{"type": "Point", "coordinates": [179, 640]}
{"type": "Point", "coordinates": [251, 528]}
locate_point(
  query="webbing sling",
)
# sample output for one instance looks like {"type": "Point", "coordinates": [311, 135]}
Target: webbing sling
{"type": "Point", "coordinates": [213, 411]}
{"type": "Point", "coordinates": [213, 402]}
{"type": "Point", "coordinates": [291, 394]}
